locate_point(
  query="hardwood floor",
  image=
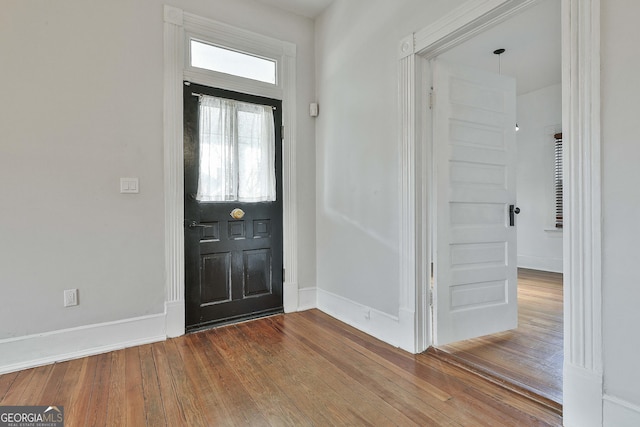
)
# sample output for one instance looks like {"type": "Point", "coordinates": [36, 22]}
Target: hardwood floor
{"type": "Point", "coordinates": [297, 369]}
{"type": "Point", "coordinates": [531, 355]}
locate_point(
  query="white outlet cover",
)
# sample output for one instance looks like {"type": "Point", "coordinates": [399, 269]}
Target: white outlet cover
{"type": "Point", "coordinates": [70, 297]}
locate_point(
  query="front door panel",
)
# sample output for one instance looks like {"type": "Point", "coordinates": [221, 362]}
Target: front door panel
{"type": "Point", "coordinates": [233, 249]}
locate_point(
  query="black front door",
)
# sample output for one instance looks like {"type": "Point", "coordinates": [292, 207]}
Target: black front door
{"type": "Point", "coordinates": [232, 206]}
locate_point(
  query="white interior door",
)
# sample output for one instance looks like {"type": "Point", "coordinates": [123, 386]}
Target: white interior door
{"type": "Point", "coordinates": [475, 289]}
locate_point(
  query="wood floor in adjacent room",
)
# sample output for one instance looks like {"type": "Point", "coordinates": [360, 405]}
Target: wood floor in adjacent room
{"type": "Point", "coordinates": [297, 369]}
{"type": "Point", "coordinates": [531, 355]}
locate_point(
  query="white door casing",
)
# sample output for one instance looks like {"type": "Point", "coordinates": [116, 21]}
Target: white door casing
{"type": "Point", "coordinates": [583, 375]}
{"type": "Point", "coordinates": [475, 289]}
{"type": "Point", "coordinates": [178, 27]}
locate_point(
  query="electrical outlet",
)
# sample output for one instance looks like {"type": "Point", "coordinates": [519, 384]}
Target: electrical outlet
{"type": "Point", "coordinates": [70, 297]}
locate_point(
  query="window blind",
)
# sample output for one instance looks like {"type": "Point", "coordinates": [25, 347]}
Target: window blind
{"type": "Point", "coordinates": [558, 180]}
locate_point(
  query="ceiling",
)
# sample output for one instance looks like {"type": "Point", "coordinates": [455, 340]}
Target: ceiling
{"type": "Point", "coordinates": [532, 41]}
{"type": "Point", "coordinates": [308, 8]}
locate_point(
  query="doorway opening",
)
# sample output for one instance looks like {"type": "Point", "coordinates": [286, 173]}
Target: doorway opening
{"type": "Point", "coordinates": [531, 356]}
{"type": "Point", "coordinates": [528, 358]}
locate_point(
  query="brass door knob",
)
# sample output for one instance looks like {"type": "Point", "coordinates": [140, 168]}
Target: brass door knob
{"type": "Point", "coordinates": [237, 213]}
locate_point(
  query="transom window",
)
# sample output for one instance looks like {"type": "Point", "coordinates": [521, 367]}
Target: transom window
{"type": "Point", "coordinates": [233, 62]}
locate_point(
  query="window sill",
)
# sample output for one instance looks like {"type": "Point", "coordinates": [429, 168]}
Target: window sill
{"type": "Point", "coordinates": [553, 230]}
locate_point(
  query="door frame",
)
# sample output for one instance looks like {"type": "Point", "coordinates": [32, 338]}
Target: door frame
{"type": "Point", "coordinates": [179, 26]}
{"type": "Point", "coordinates": [583, 378]}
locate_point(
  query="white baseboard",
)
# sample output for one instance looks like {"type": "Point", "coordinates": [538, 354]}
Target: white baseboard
{"type": "Point", "coordinates": [553, 265]}
{"type": "Point", "coordinates": [307, 299]}
{"type": "Point", "coordinates": [397, 331]}
{"type": "Point", "coordinates": [620, 413]}
{"type": "Point", "coordinates": [56, 346]}
{"type": "Point", "coordinates": [42, 349]}
{"type": "Point", "coordinates": [582, 397]}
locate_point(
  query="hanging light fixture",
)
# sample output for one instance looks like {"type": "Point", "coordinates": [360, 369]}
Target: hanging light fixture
{"type": "Point", "coordinates": [499, 52]}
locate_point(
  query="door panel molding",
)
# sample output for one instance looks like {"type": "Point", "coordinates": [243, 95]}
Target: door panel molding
{"type": "Point", "coordinates": [474, 172]}
{"type": "Point", "coordinates": [177, 25]}
{"type": "Point", "coordinates": [235, 276]}
{"type": "Point", "coordinates": [583, 378]}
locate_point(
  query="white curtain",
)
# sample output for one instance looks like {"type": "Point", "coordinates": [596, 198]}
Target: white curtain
{"type": "Point", "coordinates": [237, 151]}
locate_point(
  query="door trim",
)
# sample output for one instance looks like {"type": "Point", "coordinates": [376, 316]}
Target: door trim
{"type": "Point", "coordinates": [177, 24]}
{"type": "Point", "coordinates": [583, 379]}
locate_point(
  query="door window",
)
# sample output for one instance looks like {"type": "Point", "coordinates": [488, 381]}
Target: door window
{"type": "Point", "coordinates": [237, 153]}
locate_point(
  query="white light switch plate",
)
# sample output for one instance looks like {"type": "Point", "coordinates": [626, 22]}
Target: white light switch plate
{"type": "Point", "coordinates": [129, 185]}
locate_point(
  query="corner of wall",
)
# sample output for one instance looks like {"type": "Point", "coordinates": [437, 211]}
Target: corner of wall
{"type": "Point", "coordinates": [619, 412]}
{"type": "Point", "coordinates": [396, 331]}
{"type": "Point", "coordinates": [307, 299]}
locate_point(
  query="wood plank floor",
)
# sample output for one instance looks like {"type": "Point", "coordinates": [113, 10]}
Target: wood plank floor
{"type": "Point", "coordinates": [531, 355]}
{"type": "Point", "coordinates": [299, 369]}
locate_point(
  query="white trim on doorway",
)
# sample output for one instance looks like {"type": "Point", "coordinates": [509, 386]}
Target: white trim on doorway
{"type": "Point", "coordinates": [179, 26]}
{"type": "Point", "coordinates": [583, 392]}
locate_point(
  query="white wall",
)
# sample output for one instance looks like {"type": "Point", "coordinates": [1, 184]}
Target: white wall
{"type": "Point", "coordinates": [81, 85]}
{"type": "Point", "coordinates": [621, 210]}
{"type": "Point", "coordinates": [358, 174]}
{"type": "Point", "coordinates": [355, 208]}
{"type": "Point", "coordinates": [81, 90]}
{"type": "Point", "coordinates": [539, 118]}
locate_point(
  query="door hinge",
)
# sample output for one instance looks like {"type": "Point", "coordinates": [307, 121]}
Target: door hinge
{"type": "Point", "coordinates": [282, 132]}
{"type": "Point", "coordinates": [283, 275]}
{"type": "Point", "coordinates": [431, 298]}
{"type": "Point", "coordinates": [432, 99]}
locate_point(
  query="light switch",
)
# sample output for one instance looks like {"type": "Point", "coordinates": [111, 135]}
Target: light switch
{"type": "Point", "coordinates": [129, 185]}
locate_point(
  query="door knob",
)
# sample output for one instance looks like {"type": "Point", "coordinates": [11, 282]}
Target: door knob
{"type": "Point", "coordinates": [513, 211]}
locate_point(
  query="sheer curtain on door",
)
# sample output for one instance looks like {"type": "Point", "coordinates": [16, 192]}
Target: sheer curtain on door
{"type": "Point", "coordinates": [237, 155]}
